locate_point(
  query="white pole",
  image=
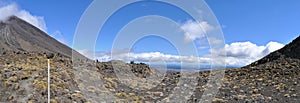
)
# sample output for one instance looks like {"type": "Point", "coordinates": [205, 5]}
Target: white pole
{"type": "Point", "coordinates": [48, 80]}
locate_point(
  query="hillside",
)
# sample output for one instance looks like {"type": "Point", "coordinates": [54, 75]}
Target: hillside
{"type": "Point", "coordinates": [18, 35]}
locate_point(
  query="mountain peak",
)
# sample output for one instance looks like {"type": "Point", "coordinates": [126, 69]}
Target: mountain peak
{"type": "Point", "coordinates": [19, 35]}
{"type": "Point", "coordinates": [11, 18]}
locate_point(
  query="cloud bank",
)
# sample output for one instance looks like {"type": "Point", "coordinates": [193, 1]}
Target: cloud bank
{"type": "Point", "coordinates": [12, 9]}
{"type": "Point", "coordinates": [238, 54]}
{"type": "Point", "coordinates": [243, 53]}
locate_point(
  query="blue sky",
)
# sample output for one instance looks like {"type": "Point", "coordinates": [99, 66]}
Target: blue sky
{"type": "Point", "coordinates": [247, 25]}
{"type": "Point", "coordinates": [258, 21]}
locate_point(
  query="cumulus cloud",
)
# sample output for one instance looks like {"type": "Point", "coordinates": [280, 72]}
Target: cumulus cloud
{"type": "Point", "coordinates": [103, 55]}
{"type": "Point", "coordinates": [12, 9]}
{"type": "Point", "coordinates": [243, 53]}
{"type": "Point", "coordinates": [243, 49]}
{"type": "Point", "coordinates": [125, 55]}
{"type": "Point", "coordinates": [272, 46]}
{"type": "Point", "coordinates": [157, 56]}
{"type": "Point", "coordinates": [195, 29]}
{"type": "Point", "coordinates": [238, 54]}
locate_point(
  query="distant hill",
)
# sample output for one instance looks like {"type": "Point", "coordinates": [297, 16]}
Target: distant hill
{"type": "Point", "coordinates": [18, 35]}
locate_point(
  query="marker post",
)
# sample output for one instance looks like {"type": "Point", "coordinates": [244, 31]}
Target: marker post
{"type": "Point", "coordinates": [48, 80]}
{"type": "Point", "coordinates": [49, 56]}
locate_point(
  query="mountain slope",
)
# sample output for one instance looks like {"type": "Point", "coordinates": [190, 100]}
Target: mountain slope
{"type": "Point", "coordinates": [290, 51]}
{"type": "Point", "coordinates": [275, 78]}
{"type": "Point", "coordinates": [18, 35]}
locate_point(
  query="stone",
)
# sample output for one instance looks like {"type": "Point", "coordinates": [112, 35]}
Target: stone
{"type": "Point", "coordinates": [255, 90]}
{"type": "Point", "coordinates": [10, 98]}
{"type": "Point", "coordinates": [239, 97]}
{"type": "Point", "coordinates": [121, 94]}
{"type": "Point", "coordinates": [242, 91]}
{"type": "Point", "coordinates": [260, 79]}
{"type": "Point", "coordinates": [286, 95]}
{"type": "Point", "coordinates": [219, 100]}
{"type": "Point", "coordinates": [236, 87]}
{"type": "Point", "coordinates": [76, 95]}
{"type": "Point", "coordinates": [53, 101]}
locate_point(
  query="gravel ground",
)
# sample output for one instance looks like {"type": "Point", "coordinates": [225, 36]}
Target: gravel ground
{"type": "Point", "coordinates": [23, 78]}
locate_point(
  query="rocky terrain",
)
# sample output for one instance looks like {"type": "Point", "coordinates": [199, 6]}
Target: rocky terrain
{"type": "Point", "coordinates": [23, 76]}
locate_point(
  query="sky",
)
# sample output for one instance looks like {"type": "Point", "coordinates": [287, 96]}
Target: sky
{"type": "Point", "coordinates": [251, 28]}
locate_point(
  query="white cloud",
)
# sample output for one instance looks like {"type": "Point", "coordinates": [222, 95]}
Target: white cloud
{"type": "Point", "coordinates": [243, 49]}
{"type": "Point", "coordinates": [243, 53]}
{"type": "Point", "coordinates": [143, 57]}
{"type": "Point", "coordinates": [195, 29]}
{"type": "Point", "coordinates": [272, 46]}
{"type": "Point", "coordinates": [12, 9]}
{"type": "Point", "coordinates": [7, 11]}
{"type": "Point", "coordinates": [58, 35]}
{"type": "Point", "coordinates": [157, 56]}
{"type": "Point", "coordinates": [238, 54]}
{"type": "Point", "coordinates": [104, 55]}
